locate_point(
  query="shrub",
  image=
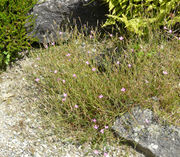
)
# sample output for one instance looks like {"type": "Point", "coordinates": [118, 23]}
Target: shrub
{"type": "Point", "coordinates": [136, 15]}
{"type": "Point", "coordinates": [13, 34]}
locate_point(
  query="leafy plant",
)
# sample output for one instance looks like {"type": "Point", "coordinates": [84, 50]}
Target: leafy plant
{"type": "Point", "coordinates": [13, 34]}
{"type": "Point", "coordinates": [137, 15]}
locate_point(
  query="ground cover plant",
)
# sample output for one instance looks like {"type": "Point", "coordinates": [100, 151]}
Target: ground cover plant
{"type": "Point", "coordinates": [80, 96]}
{"type": "Point", "coordinates": [136, 16]}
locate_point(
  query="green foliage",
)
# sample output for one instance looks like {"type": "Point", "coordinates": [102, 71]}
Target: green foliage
{"type": "Point", "coordinates": [13, 34]}
{"type": "Point", "coordinates": [137, 15]}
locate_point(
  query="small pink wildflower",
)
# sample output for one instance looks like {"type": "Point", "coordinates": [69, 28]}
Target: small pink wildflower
{"type": "Point", "coordinates": [55, 71]}
{"type": "Point", "coordinates": [105, 154]}
{"type": "Point", "coordinates": [96, 152]}
{"type": "Point", "coordinates": [147, 121]}
{"type": "Point", "coordinates": [106, 127]}
{"type": "Point", "coordinates": [121, 38]}
{"type": "Point", "coordinates": [165, 27]}
{"type": "Point", "coordinates": [93, 69]}
{"type": "Point", "coordinates": [65, 95]}
{"type": "Point", "coordinates": [165, 72]}
{"type": "Point", "coordinates": [91, 36]}
{"type": "Point", "coordinates": [38, 58]}
{"type": "Point", "coordinates": [76, 106]}
{"type": "Point", "coordinates": [53, 43]}
{"type": "Point", "coordinates": [146, 81]}
{"type": "Point", "coordinates": [63, 81]}
{"type": "Point", "coordinates": [64, 99]}
{"type": "Point", "coordinates": [94, 120]}
{"type": "Point", "coordinates": [132, 50]}
{"type": "Point", "coordinates": [100, 96]}
{"type": "Point", "coordinates": [74, 75]}
{"type": "Point", "coordinates": [129, 65]}
{"type": "Point", "coordinates": [123, 89]}
{"type": "Point", "coordinates": [96, 127]}
{"type": "Point", "coordinates": [58, 79]}
{"type": "Point", "coordinates": [102, 131]}
{"type": "Point", "coordinates": [68, 54]}
{"type": "Point", "coordinates": [60, 33]}
{"type": "Point", "coordinates": [179, 38]}
{"type": "Point", "coordinates": [37, 79]}
{"type": "Point", "coordinates": [110, 35]}
{"type": "Point", "coordinates": [69, 60]}
{"type": "Point", "coordinates": [89, 52]}
{"type": "Point", "coordinates": [87, 62]}
{"type": "Point", "coordinates": [117, 62]}
{"type": "Point", "coordinates": [170, 31]}
{"type": "Point", "coordinates": [46, 46]}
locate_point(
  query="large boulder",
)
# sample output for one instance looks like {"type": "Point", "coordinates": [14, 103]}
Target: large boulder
{"type": "Point", "coordinates": [52, 15]}
{"type": "Point", "coordinates": [142, 129]}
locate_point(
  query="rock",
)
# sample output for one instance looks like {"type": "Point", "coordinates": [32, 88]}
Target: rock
{"type": "Point", "coordinates": [51, 15]}
{"type": "Point", "coordinates": [142, 129]}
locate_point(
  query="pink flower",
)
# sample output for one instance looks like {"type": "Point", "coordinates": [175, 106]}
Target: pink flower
{"type": "Point", "coordinates": [74, 75]}
{"type": "Point", "coordinates": [91, 36]}
{"type": "Point", "coordinates": [96, 127]}
{"type": "Point", "coordinates": [123, 89]}
{"type": "Point", "coordinates": [65, 95]}
{"type": "Point", "coordinates": [117, 62]}
{"type": "Point", "coordinates": [96, 152]}
{"type": "Point", "coordinates": [58, 79]}
{"type": "Point", "coordinates": [100, 96]}
{"type": "Point", "coordinates": [46, 46]}
{"type": "Point", "coordinates": [93, 69]}
{"type": "Point", "coordinates": [110, 35]}
{"type": "Point", "coordinates": [129, 65]}
{"type": "Point", "coordinates": [94, 120]}
{"type": "Point", "coordinates": [170, 31]}
{"type": "Point", "coordinates": [37, 79]}
{"type": "Point", "coordinates": [69, 60]}
{"type": "Point", "coordinates": [106, 127]}
{"type": "Point", "coordinates": [68, 54]}
{"type": "Point", "coordinates": [55, 71]}
{"type": "Point", "coordinates": [38, 58]}
{"type": "Point", "coordinates": [64, 99]}
{"type": "Point", "coordinates": [102, 131]}
{"type": "Point", "coordinates": [105, 154]}
{"type": "Point", "coordinates": [179, 38]}
{"type": "Point", "coordinates": [165, 72]}
{"type": "Point", "coordinates": [165, 27]}
{"type": "Point", "coordinates": [87, 62]}
{"type": "Point", "coordinates": [89, 52]}
{"type": "Point", "coordinates": [121, 38]}
{"type": "Point", "coordinates": [60, 33]}
{"type": "Point", "coordinates": [76, 106]}
{"type": "Point", "coordinates": [147, 121]}
{"type": "Point", "coordinates": [132, 50]}
{"type": "Point", "coordinates": [63, 81]}
{"type": "Point", "coordinates": [52, 43]}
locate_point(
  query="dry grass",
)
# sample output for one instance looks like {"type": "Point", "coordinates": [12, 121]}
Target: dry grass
{"type": "Point", "coordinates": [75, 90]}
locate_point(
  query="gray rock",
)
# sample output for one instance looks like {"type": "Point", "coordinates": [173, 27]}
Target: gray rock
{"type": "Point", "coordinates": [51, 15]}
{"type": "Point", "coordinates": [142, 129]}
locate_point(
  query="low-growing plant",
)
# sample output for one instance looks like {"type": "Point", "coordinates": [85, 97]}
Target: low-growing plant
{"type": "Point", "coordinates": [138, 15]}
{"type": "Point", "coordinates": [13, 34]}
{"type": "Point", "coordinates": [76, 96]}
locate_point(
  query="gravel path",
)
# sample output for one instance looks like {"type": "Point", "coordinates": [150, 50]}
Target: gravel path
{"type": "Point", "coordinates": [21, 128]}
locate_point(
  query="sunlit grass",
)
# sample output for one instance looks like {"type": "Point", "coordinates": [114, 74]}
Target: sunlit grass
{"type": "Point", "coordinates": [87, 81]}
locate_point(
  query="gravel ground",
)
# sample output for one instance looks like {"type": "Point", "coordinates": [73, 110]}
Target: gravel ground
{"type": "Point", "coordinates": [21, 128]}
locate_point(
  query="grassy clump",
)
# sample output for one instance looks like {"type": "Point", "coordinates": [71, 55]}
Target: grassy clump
{"type": "Point", "coordinates": [84, 99]}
